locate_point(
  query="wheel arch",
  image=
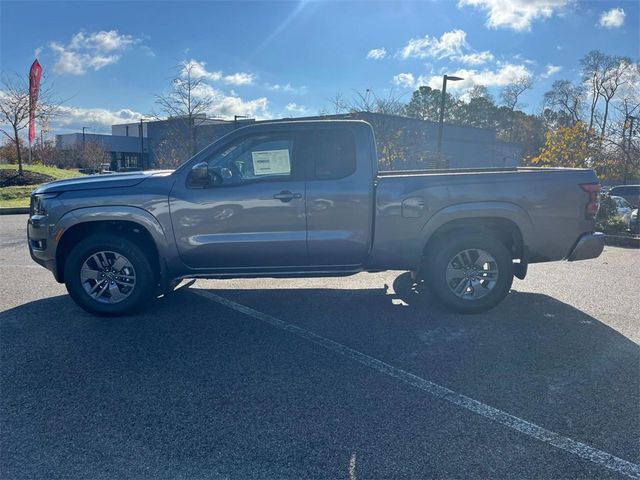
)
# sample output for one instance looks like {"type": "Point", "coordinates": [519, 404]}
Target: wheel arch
{"type": "Point", "coordinates": [506, 221]}
{"type": "Point", "coordinates": [135, 224]}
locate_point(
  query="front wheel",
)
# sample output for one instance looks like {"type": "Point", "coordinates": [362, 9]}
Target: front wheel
{"type": "Point", "coordinates": [471, 273]}
{"type": "Point", "coordinates": [109, 275]}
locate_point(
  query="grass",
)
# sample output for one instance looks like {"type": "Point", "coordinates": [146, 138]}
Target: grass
{"type": "Point", "coordinates": [56, 173]}
{"type": "Point", "coordinates": [19, 196]}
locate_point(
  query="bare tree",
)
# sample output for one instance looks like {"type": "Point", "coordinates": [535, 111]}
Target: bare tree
{"type": "Point", "coordinates": [368, 101]}
{"type": "Point", "coordinates": [616, 76]}
{"type": "Point", "coordinates": [622, 146]}
{"type": "Point", "coordinates": [479, 91]}
{"type": "Point", "coordinates": [14, 109]}
{"type": "Point", "coordinates": [566, 97]}
{"type": "Point", "coordinates": [337, 105]}
{"type": "Point", "coordinates": [170, 150]}
{"type": "Point", "coordinates": [510, 96]}
{"type": "Point", "coordinates": [93, 155]}
{"type": "Point", "coordinates": [186, 103]}
{"type": "Point", "coordinates": [390, 136]}
{"type": "Point", "coordinates": [44, 152]}
{"type": "Point", "coordinates": [594, 68]}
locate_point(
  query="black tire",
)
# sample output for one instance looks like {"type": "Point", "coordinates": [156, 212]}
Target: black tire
{"type": "Point", "coordinates": [446, 251]}
{"type": "Point", "coordinates": [137, 297]}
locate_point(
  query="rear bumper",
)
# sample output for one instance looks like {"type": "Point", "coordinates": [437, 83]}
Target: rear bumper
{"type": "Point", "coordinates": [589, 245]}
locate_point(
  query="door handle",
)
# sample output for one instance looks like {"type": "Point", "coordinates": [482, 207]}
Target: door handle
{"type": "Point", "coordinates": [286, 196]}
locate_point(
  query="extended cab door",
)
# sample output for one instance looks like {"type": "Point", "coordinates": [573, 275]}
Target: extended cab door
{"type": "Point", "coordinates": [251, 211]}
{"type": "Point", "coordinates": [340, 195]}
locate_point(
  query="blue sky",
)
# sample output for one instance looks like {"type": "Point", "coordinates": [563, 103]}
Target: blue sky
{"type": "Point", "coordinates": [273, 59]}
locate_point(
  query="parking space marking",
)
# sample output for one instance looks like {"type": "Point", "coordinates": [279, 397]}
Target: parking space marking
{"type": "Point", "coordinates": [532, 430]}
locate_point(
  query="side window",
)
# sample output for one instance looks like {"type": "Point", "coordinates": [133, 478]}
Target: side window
{"type": "Point", "coordinates": [334, 151]}
{"type": "Point", "coordinates": [258, 157]}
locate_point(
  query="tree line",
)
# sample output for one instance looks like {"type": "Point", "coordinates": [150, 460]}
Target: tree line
{"type": "Point", "coordinates": [579, 124]}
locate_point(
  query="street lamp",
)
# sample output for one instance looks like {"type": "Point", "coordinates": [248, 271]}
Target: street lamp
{"type": "Point", "coordinates": [235, 120]}
{"type": "Point", "coordinates": [83, 142]}
{"type": "Point", "coordinates": [444, 95]}
{"type": "Point", "coordinates": [631, 119]}
{"type": "Point", "coordinates": [141, 133]}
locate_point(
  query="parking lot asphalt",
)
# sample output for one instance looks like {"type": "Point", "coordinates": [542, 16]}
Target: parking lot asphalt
{"type": "Point", "coordinates": [259, 379]}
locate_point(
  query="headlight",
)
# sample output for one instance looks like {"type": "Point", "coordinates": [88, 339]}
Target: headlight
{"type": "Point", "coordinates": [38, 203]}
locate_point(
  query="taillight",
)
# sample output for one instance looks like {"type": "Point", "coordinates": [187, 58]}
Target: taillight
{"type": "Point", "coordinates": [593, 189]}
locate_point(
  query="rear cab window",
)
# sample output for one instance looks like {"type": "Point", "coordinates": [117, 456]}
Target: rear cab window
{"type": "Point", "coordinates": [334, 153]}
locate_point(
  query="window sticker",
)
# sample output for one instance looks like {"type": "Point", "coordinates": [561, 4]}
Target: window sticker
{"type": "Point", "coordinates": [271, 162]}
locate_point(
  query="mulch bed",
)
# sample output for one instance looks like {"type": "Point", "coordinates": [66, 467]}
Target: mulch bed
{"type": "Point", "coordinates": [10, 178]}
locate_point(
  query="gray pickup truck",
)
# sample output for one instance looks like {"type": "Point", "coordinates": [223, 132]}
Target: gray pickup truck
{"type": "Point", "coordinates": [294, 199]}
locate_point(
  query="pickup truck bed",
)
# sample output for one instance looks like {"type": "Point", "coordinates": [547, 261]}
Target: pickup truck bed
{"type": "Point", "coordinates": [545, 205]}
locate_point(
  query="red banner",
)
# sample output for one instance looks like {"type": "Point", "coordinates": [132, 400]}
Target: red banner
{"type": "Point", "coordinates": [34, 88]}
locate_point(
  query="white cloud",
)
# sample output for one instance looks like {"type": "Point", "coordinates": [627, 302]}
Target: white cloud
{"type": "Point", "coordinates": [477, 58]}
{"type": "Point", "coordinates": [550, 70]}
{"type": "Point", "coordinates": [516, 14]}
{"type": "Point", "coordinates": [377, 53]}
{"type": "Point", "coordinates": [240, 78]}
{"type": "Point", "coordinates": [296, 109]}
{"type": "Point", "coordinates": [287, 88]}
{"type": "Point", "coordinates": [230, 105]}
{"type": "Point", "coordinates": [102, 41]}
{"type": "Point", "coordinates": [613, 18]}
{"type": "Point", "coordinates": [227, 105]}
{"type": "Point", "coordinates": [74, 118]}
{"type": "Point", "coordinates": [90, 51]}
{"type": "Point", "coordinates": [406, 80]}
{"type": "Point", "coordinates": [449, 44]}
{"type": "Point", "coordinates": [504, 75]}
{"type": "Point", "coordinates": [199, 70]}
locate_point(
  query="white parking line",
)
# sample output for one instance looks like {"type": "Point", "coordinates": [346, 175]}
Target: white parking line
{"type": "Point", "coordinates": [527, 428]}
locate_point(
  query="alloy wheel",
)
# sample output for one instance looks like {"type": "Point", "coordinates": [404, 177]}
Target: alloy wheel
{"type": "Point", "coordinates": [471, 274]}
{"type": "Point", "coordinates": [108, 277]}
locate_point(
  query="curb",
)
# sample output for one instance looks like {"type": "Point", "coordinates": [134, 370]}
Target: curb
{"type": "Point", "coordinates": [14, 210]}
{"type": "Point", "coordinates": [622, 241]}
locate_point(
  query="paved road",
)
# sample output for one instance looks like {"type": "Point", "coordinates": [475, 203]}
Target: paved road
{"type": "Point", "coordinates": [259, 379]}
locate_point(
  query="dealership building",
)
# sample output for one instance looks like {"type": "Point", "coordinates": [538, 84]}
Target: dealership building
{"type": "Point", "coordinates": [143, 145]}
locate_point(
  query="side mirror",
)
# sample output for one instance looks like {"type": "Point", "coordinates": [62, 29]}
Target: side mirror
{"type": "Point", "coordinates": [199, 175]}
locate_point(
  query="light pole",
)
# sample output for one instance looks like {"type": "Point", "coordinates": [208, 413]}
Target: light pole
{"type": "Point", "coordinates": [141, 132]}
{"type": "Point", "coordinates": [83, 142]}
{"type": "Point", "coordinates": [444, 95]}
{"type": "Point", "coordinates": [631, 118]}
{"type": "Point", "coordinates": [235, 120]}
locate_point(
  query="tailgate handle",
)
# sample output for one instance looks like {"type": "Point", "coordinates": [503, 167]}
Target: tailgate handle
{"type": "Point", "coordinates": [286, 196]}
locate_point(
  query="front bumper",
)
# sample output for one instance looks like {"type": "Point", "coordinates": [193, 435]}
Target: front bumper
{"type": "Point", "coordinates": [589, 245]}
{"type": "Point", "coordinates": [41, 247]}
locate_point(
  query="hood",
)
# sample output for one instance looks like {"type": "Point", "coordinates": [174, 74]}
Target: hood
{"type": "Point", "coordinates": [92, 182]}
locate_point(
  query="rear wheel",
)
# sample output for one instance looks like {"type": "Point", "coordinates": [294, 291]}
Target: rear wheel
{"type": "Point", "coordinates": [109, 275]}
{"type": "Point", "coordinates": [471, 273]}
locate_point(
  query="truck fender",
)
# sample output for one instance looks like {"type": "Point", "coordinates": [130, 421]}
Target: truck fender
{"type": "Point", "coordinates": [115, 213]}
{"type": "Point", "coordinates": [506, 210]}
